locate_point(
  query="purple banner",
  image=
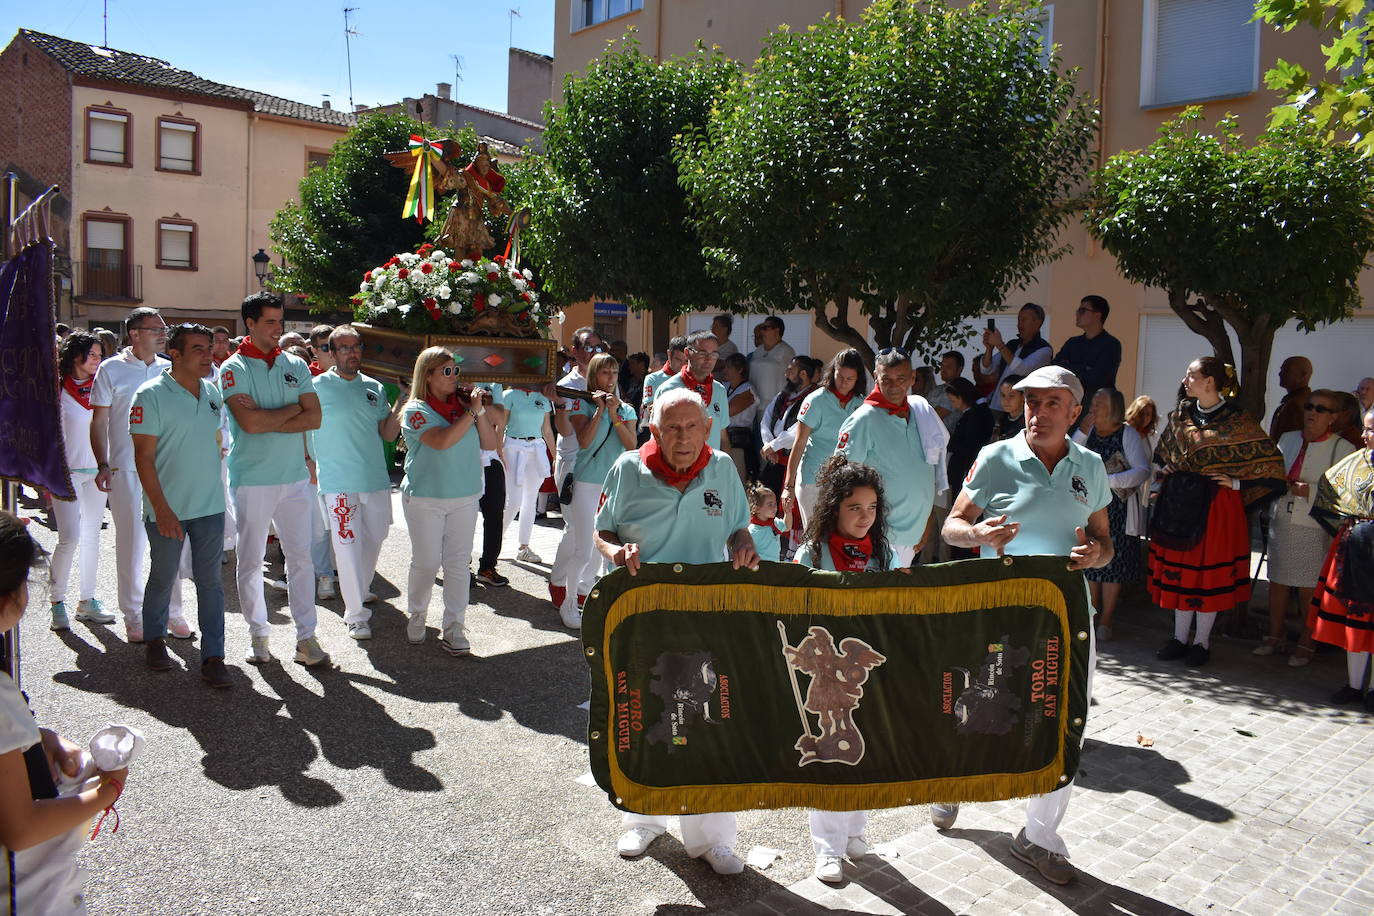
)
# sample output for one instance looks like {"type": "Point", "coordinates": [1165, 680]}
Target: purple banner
{"type": "Point", "coordinates": [31, 449]}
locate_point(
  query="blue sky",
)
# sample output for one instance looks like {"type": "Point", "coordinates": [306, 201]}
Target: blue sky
{"type": "Point", "coordinates": [295, 48]}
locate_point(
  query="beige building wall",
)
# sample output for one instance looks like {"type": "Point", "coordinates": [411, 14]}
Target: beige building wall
{"type": "Point", "coordinates": [1102, 38]}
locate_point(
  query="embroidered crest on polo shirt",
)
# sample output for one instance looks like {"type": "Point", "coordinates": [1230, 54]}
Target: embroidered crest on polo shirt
{"type": "Point", "coordinates": [417, 420]}
{"type": "Point", "coordinates": [213, 406]}
{"type": "Point", "coordinates": [1080, 489]}
{"type": "Point", "coordinates": [372, 398]}
{"type": "Point", "coordinates": [291, 380]}
{"type": "Point", "coordinates": [712, 501]}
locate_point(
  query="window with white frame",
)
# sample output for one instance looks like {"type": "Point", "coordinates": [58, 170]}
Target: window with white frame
{"type": "Point", "coordinates": [177, 146]}
{"type": "Point", "coordinates": [107, 137]}
{"type": "Point", "coordinates": [176, 245]}
{"type": "Point", "coordinates": [591, 12]}
{"type": "Point", "coordinates": [1198, 50]}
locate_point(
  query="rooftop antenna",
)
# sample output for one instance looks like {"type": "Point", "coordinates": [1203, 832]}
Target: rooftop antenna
{"type": "Point", "coordinates": [349, 32]}
{"type": "Point", "coordinates": [457, 68]}
{"type": "Point", "coordinates": [511, 16]}
{"type": "Point", "coordinates": [106, 18]}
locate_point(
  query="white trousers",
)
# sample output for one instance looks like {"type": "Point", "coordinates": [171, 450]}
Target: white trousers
{"type": "Point", "coordinates": [903, 554]}
{"type": "Point", "coordinates": [1044, 813]}
{"type": "Point", "coordinates": [288, 508]}
{"type": "Point", "coordinates": [357, 523]}
{"type": "Point", "coordinates": [573, 565]}
{"type": "Point", "coordinates": [806, 501]}
{"type": "Point", "coordinates": [831, 830]}
{"type": "Point", "coordinates": [700, 832]}
{"type": "Point", "coordinates": [231, 531]}
{"type": "Point", "coordinates": [441, 533]}
{"type": "Point", "coordinates": [78, 524]}
{"type": "Point", "coordinates": [527, 464]}
{"type": "Point", "coordinates": [131, 547]}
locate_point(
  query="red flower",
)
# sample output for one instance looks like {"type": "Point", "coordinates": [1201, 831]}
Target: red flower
{"type": "Point", "coordinates": [454, 267]}
{"type": "Point", "coordinates": [525, 296]}
{"type": "Point", "coordinates": [430, 302]}
{"type": "Point", "coordinates": [493, 276]}
{"type": "Point", "coordinates": [367, 277]}
{"type": "Point", "coordinates": [426, 267]}
{"type": "Point", "coordinates": [357, 302]}
{"type": "Point", "coordinates": [479, 305]}
{"type": "Point", "coordinates": [499, 259]}
{"type": "Point", "coordinates": [392, 263]}
{"type": "Point", "coordinates": [426, 248]}
{"type": "Point", "coordinates": [402, 274]}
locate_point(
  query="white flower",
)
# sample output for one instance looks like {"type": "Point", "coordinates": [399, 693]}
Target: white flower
{"type": "Point", "coordinates": [444, 292]}
{"type": "Point", "coordinates": [529, 274]}
{"type": "Point", "coordinates": [493, 300]}
{"type": "Point", "coordinates": [469, 277]}
{"type": "Point", "coordinates": [405, 309]}
{"type": "Point", "coordinates": [364, 287]}
{"type": "Point", "coordinates": [390, 304]}
{"type": "Point", "coordinates": [381, 282]}
{"type": "Point", "coordinates": [455, 307]}
{"type": "Point", "coordinates": [520, 285]}
{"type": "Point", "coordinates": [466, 262]}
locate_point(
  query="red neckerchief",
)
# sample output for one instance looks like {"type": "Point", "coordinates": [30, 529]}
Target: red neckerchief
{"type": "Point", "coordinates": [80, 391]}
{"type": "Point", "coordinates": [315, 369]}
{"type": "Point", "coordinates": [667, 369]}
{"type": "Point", "coordinates": [875, 397]}
{"type": "Point", "coordinates": [248, 348]}
{"type": "Point", "coordinates": [771, 524]}
{"type": "Point", "coordinates": [652, 456]}
{"type": "Point", "coordinates": [849, 555]}
{"type": "Point", "coordinates": [705, 387]}
{"type": "Point", "coordinates": [1296, 470]}
{"type": "Point", "coordinates": [449, 409]}
{"type": "Point", "coordinates": [844, 399]}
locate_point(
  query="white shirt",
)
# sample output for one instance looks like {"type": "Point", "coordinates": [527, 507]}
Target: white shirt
{"type": "Point", "coordinates": [567, 445]}
{"type": "Point", "coordinates": [115, 383]}
{"type": "Point", "coordinates": [768, 369]}
{"type": "Point", "coordinates": [745, 418]}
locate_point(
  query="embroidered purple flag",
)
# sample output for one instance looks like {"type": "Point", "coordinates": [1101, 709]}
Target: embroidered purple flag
{"type": "Point", "coordinates": [31, 449]}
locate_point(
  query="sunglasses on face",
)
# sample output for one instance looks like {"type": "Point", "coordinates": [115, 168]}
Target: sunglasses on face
{"type": "Point", "coordinates": [1319, 408]}
{"type": "Point", "coordinates": [450, 371]}
{"type": "Point", "coordinates": [323, 348]}
{"type": "Point", "coordinates": [155, 328]}
{"type": "Point", "coordinates": [345, 348]}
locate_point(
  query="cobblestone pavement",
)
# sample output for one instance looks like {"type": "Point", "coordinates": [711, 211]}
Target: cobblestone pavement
{"type": "Point", "coordinates": [408, 781]}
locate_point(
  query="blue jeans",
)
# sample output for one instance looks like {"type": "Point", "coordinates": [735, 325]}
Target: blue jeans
{"type": "Point", "coordinates": [206, 536]}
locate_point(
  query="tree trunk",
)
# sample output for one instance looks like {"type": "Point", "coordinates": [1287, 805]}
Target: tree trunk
{"type": "Point", "coordinates": [660, 331]}
{"type": "Point", "coordinates": [1256, 348]}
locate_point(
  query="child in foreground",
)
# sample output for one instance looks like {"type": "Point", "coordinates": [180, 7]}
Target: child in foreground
{"type": "Point", "coordinates": [41, 833]}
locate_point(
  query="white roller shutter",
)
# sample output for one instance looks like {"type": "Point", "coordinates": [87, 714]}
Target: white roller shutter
{"type": "Point", "coordinates": [1198, 49]}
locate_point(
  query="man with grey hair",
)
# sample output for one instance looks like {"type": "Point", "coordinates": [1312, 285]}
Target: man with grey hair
{"type": "Point", "coordinates": [1365, 392]}
{"type": "Point", "coordinates": [699, 375]}
{"type": "Point", "coordinates": [677, 500]}
{"type": "Point", "coordinates": [1038, 493]}
{"type": "Point", "coordinates": [112, 398]}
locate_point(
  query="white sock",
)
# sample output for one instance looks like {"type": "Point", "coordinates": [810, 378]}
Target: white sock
{"type": "Point", "coordinates": [1183, 622]}
{"type": "Point", "coordinates": [1204, 629]}
{"type": "Point", "coordinates": [1356, 664]}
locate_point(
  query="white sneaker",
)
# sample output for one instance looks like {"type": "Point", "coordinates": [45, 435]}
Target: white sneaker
{"type": "Point", "coordinates": [258, 653]}
{"type": "Point", "coordinates": [415, 629]}
{"type": "Point", "coordinates": [829, 869]}
{"type": "Point", "coordinates": [278, 584]}
{"type": "Point", "coordinates": [723, 860]}
{"type": "Point", "coordinates": [371, 598]}
{"type": "Point", "coordinates": [857, 847]}
{"type": "Point", "coordinates": [91, 611]}
{"type": "Point", "coordinates": [180, 629]}
{"type": "Point", "coordinates": [455, 644]}
{"type": "Point", "coordinates": [360, 631]}
{"type": "Point", "coordinates": [636, 840]}
{"type": "Point", "coordinates": [943, 816]}
{"type": "Point", "coordinates": [525, 555]}
{"type": "Point", "coordinates": [324, 587]}
{"type": "Point", "coordinates": [309, 653]}
{"type": "Point", "coordinates": [571, 616]}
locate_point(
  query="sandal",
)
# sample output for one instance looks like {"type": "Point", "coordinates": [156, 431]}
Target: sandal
{"type": "Point", "coordinates": [1272, 645]}
{"type": "Point", "coordinates": [1302, 656]}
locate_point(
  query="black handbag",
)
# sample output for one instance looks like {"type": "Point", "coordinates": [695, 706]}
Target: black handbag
{"type": "Point", "coordinates": [565, 492]}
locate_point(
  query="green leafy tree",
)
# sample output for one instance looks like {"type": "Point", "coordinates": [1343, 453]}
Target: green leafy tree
{"type": "Point", "coordinates": [609, 216]}
{"type": "Point", "coordinates": [1336, 101]}
{"type": "Point", "coordinates": [349, 215]}
{"type": "Point", "coordinates": [1248, 237]}
{"type": "Point", "coordinates": [916, 163]}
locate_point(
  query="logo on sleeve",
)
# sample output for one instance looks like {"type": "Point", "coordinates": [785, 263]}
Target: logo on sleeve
{"type": "Point", "coordinates": [372, 398]}
{"type": "Point", "coordinates": [968, 478]}
{"type": "Point", "coordinates": [417, 420]}
{"type": "Point", "coordinates": [713, 504]}
{"type": "Point", "coordinates": [226, 379]}
{"type": "Point", "coordinates": [801, 414]}
{"type": "Point", "coordinates": [843, 443]}
{"type": "Point", "coordinates": [136, 416]}
{"type": "Point", "coordinates": [605, 495]}
{"type": "Point", "coordinates": [1080, 489]}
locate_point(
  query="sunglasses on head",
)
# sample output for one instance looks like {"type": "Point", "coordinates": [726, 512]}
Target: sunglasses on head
{"type": "Point", "coordinates": [1319, 408]}
{"type": "Point", "coordinates": [898, 350]}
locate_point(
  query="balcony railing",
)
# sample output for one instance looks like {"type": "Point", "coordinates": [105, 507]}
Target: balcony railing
{"type": "Point", "coordinates": [104, 282]}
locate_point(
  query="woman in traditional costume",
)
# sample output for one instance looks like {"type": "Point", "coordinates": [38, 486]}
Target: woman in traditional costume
{"type": "Point", "coordinates": [1218, 463]}
{"type": "Point", "coordinates": [1343, 607]}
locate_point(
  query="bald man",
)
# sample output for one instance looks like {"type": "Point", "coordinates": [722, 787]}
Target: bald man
{"type": "Point", "coordinates": [1294, 376]}
{"type": "Point", "coordinates": [1365, 392]}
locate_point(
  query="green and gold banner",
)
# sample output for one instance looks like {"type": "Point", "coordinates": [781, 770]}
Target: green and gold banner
{"type": "Point", "coordinates": [722, 690]}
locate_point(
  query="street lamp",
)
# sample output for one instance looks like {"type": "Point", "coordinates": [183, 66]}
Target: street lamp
{"type": "Point", "coordinates": [262, 264]}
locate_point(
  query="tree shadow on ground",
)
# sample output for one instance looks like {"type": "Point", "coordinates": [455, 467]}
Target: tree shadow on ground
{"type": "Point", "coordinates": [1087, 896]}
{"type": "Point", "coordinates": [1116, 768]}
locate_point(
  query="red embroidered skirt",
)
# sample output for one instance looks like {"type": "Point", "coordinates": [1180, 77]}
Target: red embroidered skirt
{"type": "Point", "coordinates": [1212, 576]}
{"type": "Point", "coordinates": [1331, 620]}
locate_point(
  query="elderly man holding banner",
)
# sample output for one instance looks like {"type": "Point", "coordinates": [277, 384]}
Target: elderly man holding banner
{"type": "Point", "coordinates": [1037, 493]}
{"type": "Point", "coordinates": [677, 500]}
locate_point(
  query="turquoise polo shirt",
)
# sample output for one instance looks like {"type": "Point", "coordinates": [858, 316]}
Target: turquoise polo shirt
{"type": "Point", "coordinates": [718, 409]}
{"type": "Point", "coordinates": [594, 462]}
{"type": "Point", "coordinates": [669, 526]}
{"type": "Point", "coordinates": [767, 542]}
{"type": "Point", "coordinates": [824, 414]}
{"type": "Point", "coordinates": [187, 445]}
{"type": "Point", "coordinates": [527, 410]}
{"type": "Point", "coordinates": [265, 459]}
{"type": "Point", "coordinates": [651, 383]}
{"type": "Point", "coordinates": [826, 563]}
{"type": "Point", "coordinates": [892, 446]}
{"type": "Point", "coordinates": [1008, 479]}
{"type": "Point", "coordinates": [350, 456]}
{"type": "Point", "coordinates": [450, 473]}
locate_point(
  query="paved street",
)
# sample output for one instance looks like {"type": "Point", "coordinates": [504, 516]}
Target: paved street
{"type": "Point", "coordinates": [406, 781]}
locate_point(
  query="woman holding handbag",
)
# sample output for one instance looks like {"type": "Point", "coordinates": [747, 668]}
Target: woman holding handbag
{"type": "Point", "coordinates": [605, 428]}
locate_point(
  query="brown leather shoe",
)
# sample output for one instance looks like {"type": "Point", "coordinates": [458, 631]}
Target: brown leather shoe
{"type": "Point", "coordinates": [158, 657]}
{"type": "Point", "coordinates": [213, 672]}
